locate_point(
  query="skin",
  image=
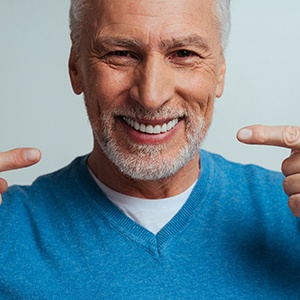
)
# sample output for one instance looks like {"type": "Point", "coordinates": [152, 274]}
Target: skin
{"type": "Point", "coordinates": [16, 159]}
{"type": "Point", "coordinates": [281, 136]}
{"type": "Point", "coordinates": [154, 77]}
{"type": "Point", "coordinates": [174, 64]}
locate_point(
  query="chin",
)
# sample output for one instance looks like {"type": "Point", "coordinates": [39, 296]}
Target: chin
{"type": "Point", "coordinates": [152, 162]}
{"type": "Point", "coordinates": [149, 162]}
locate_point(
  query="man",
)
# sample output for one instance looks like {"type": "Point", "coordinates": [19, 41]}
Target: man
{"type": "Point", "coordinates": [145, 215]}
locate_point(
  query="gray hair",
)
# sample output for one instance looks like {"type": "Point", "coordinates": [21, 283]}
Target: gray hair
{"type": "Point", "coordinates": [78, 10]}
{"type": "Point", "coordinates": [223, 14]}
{"type": "Point", "coordinates": [76, 19]}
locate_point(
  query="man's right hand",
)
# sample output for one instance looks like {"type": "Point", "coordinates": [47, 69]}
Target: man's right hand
{"type": "Point", "coordinates": [16, 159]}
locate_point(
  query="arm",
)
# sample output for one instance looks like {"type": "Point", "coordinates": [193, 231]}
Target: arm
{"type": "Point", "coordinates": [15, 159]}
{"type": "Point", "coordinates": [282, 136]}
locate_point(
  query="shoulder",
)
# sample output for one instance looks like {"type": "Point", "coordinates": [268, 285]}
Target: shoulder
{"type": "Point", "coordinates": [241, 177]}
{"type": "Point", "coordinates": [48, 186]}
{"type": "Point", "coordinates": [50, 198]}
{"type": "Point", "coordinates": [249, 194]}
{"type": "Point", "coordinates": [226, 167]}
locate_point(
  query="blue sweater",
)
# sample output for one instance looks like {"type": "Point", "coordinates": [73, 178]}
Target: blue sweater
{"type": "Point", "coordinates": [235, 238]}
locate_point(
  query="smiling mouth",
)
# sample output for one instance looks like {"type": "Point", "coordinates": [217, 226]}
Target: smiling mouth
{"type": "Point", "coordinates": [151, 129]}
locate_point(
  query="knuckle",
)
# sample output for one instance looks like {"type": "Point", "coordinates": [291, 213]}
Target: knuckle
{"type": "Point", "coordinates": [10, 160]}
{"type": "Point", "coordinates": [286, 185]}
{"type": "Point", "coordinates": [285, 166]}
{"type": "Point", "coordinates": [290, 135]}
{"type": "Point", "coordinates": [3, 185]}
{"type": "Point", "coordinates": [291, 165]}
{"type": "Point", "coordinates": [260, 135]}
{"type": "Point", "coordinates": [15, 158]}
{"type": "Point", "coordinates": [294, 204]}
{"type": "Point", "coordinates": [291, 184]}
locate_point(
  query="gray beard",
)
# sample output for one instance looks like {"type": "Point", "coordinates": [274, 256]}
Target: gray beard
{"type": "Point", "coordinates": [152, 162]}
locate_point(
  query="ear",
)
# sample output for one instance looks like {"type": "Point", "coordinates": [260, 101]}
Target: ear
{"type": "Point", "coordinates": [221, 78]}
{"type": "Point", "coordinates": [74, 72]}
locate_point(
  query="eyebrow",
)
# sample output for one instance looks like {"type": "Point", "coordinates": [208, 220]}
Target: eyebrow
{"type": "Point", "coordinates": [117, 42]}
{"type": "Point", "coordinates": [191, 40]}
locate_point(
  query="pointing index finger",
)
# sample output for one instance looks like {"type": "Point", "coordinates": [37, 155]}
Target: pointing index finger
{"type": "Point", "coordinates": [18, 158]}
{"type": "Point", "coordinates": [282, 136]}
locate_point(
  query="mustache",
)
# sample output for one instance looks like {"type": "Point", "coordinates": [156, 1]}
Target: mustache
{"type": "Point", "coordinates": [164, 112]}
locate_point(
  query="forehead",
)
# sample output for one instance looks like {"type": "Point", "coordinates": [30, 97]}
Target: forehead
{"type": "Point", "coordinates": [152, 19]}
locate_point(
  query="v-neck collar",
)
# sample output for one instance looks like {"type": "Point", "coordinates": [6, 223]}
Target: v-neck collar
{"type": "Point", "coordinates": [156, 244]}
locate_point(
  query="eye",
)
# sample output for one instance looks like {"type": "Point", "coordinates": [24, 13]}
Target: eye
{"type": "Point", "coordinates": [120, 53]}
{"type": "Point", "coordinates": [184, 57]}
{"type": "Point", "coordinates": [185, 53]}
{"type": "Point", "coordinates": [121, 58]}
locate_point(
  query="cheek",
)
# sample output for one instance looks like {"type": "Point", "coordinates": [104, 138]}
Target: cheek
{"type": "Point", "coordinates": [107, 87]}
{"type": "Point", "coordinates": [199, 94]}
{"type": "Point", "coordinates": [105, 90]}
{"type": "Point", "coordinates": [98, 92]}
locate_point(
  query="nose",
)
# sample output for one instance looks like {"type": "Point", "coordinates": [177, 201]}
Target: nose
{"type": "Point", "coordinates": [154, 83]}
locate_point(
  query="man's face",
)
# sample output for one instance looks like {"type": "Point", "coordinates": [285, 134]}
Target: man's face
{"type": "Point", "coordinates": [149, 71]}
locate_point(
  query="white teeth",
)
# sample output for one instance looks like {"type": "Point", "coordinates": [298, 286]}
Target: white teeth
{"type": "Point", "coordinates": [149, 129]}
{"type": "Point", "coordinates": [170, 125]}
{"type": "Point", "coordinates": [143, 128]}
{"type": "Point", "coordinates": [157, 129]}
{"type": "Point", "coordinates": [136, 125]}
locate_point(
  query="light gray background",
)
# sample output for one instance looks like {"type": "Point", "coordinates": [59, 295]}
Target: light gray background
{"type": "Point", "coordinates": [38, 107]}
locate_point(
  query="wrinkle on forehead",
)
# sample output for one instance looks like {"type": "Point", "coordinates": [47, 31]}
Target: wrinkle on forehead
{"type": "Point", "coordinates": [152, 22]}
{"type": "Point", "coordinates": [191, 40]}
{"type": "Point", "coordinates": [151, 8]}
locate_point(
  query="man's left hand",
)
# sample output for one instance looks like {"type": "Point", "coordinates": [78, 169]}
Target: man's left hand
{"type": "Point", "coordinates": [282, 136]}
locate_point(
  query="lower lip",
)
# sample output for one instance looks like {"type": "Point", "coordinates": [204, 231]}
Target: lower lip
{"type": "Point", "coordinates": [144, 138]}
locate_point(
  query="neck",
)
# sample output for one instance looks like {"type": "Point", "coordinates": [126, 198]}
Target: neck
{"type": "Point", "coordinates": [110, 175]}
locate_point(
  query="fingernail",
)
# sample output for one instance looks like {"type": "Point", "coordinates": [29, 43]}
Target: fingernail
{"type": "Point", "coordinates": [245, 134]}
{"type": "Point", "coordinates": [31, 154]}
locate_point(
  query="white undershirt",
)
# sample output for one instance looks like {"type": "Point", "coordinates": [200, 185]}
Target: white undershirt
{"type": "Point", "coordinates": [151, 214]}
